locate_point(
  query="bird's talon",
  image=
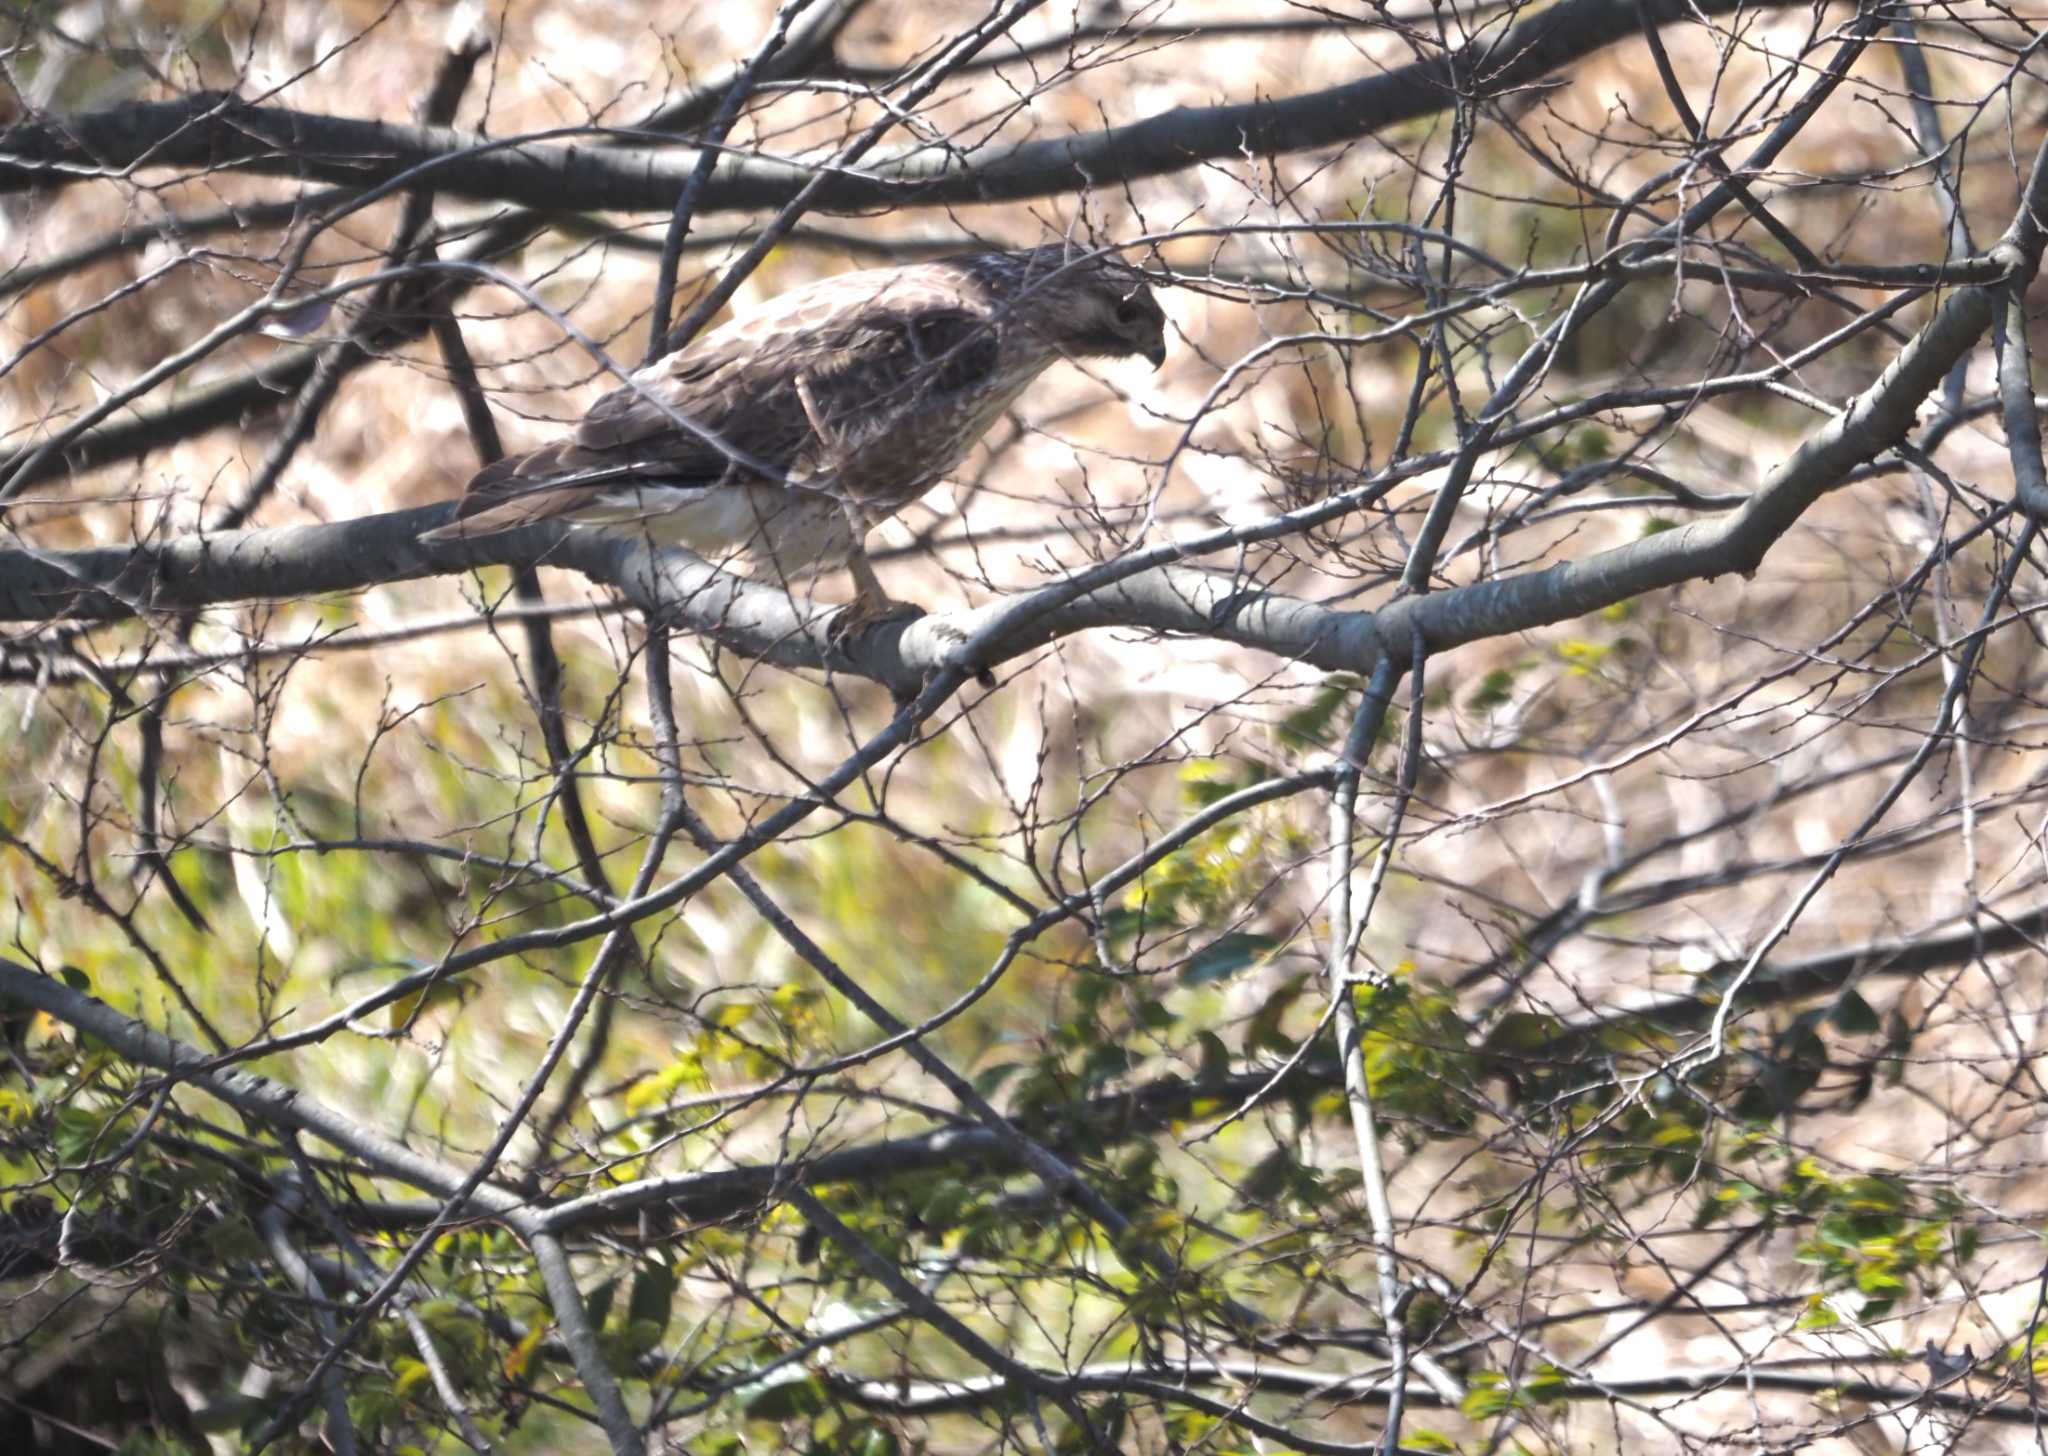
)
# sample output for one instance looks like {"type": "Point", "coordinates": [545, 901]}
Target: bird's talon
{"type": "Point", "coordinates": [858, 617]}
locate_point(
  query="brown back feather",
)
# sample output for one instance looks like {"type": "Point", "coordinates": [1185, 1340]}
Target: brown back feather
{"type": "Point", "coordinates": [891, 358]}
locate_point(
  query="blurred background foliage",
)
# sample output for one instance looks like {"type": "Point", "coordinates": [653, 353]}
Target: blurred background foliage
{"type": "Point", "coordinates": [1609, 816]}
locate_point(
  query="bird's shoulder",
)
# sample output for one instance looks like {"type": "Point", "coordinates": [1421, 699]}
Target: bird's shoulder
{"type": "Point", "coordinates": [879, 318]}
{"type": "Point", "coordinates": [865, 334]}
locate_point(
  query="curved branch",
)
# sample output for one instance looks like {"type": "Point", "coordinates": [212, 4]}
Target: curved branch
{"type": "Point", "coordinates": [710, 1194]}
{"type": "Point", "coordinates": [1174, 1385]}
{"type": "Point", "coordinates": [215, 130]}
{"type": "Point", "coordinates": [1148, 589]}
{"type": "Point", "coordinates": [1789, 982]}
{"type": "Point", "coordinates": [253, 1096]}
{"type": "Point", "coordinates": [751, 617]}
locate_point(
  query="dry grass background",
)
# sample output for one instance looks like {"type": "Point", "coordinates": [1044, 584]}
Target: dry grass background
{"type": "Point", "coordinates": [434, 739]}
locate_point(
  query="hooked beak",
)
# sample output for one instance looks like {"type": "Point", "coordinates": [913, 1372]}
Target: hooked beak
{"type": "Point", "coordinates": [1157, 354]}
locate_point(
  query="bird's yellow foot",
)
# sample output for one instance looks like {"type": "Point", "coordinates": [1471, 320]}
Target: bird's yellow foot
{"type": "Point", "coordinates": [863, 613]}
{"type": "Point", "coordinates": [858, 615]}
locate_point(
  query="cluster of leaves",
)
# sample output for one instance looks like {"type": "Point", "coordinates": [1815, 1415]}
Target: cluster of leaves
{"type": "Point", "coordinates": [1875, 1236]}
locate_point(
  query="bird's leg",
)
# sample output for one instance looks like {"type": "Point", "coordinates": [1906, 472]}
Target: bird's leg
{"type": "Point", "coordinates": [871, 605]}
{"type": "Point", "coordinates": [867, 587]}
{"type": "Point", "coordinates": [828, 448]}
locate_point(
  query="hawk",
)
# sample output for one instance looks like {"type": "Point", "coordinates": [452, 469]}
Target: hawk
{"type": "Point", "coordinates": [784, 437]}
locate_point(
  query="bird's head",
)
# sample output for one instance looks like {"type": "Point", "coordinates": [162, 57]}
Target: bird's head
{"type": "Point", "coordinates": [1084, 306]}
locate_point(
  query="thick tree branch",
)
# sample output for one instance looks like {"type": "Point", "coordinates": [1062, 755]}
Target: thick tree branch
{"type": "Point", "coordinates": [214, 130]}
{"type": "Point", "coordinates": [288, 1109]}
{"type": "Point", "coordinates": [710, 1194]}
{"type": "Point", "coordinates": [1175, 1386]}
{"type": "Point", "coordinates": [752, 617]}
{"type": "Point", "coordinates": [1146, 589]}
{"type": "Point", "coordinates": [254, 1097]}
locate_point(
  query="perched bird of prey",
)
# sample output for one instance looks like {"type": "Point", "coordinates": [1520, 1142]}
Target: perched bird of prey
{"type": "Point", "coordinates": [783, 437]}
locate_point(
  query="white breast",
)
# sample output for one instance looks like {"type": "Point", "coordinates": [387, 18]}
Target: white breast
{"type": "Point", "coordinates": [793, 532]}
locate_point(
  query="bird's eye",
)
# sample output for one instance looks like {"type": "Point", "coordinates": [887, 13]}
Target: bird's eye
{"type": "Point", "coordinates": [1127, 312]}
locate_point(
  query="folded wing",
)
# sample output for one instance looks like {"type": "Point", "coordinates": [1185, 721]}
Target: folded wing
{"type": "Point", "coordinates": [831, 399]}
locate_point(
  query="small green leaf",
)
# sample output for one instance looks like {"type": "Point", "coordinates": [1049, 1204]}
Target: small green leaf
{"type": "Point", "coordinates": [410, 1373]}
{"type": "Point", "coordinates": [77, 1130]}
{"type": "Point", "coordinates": [1225, 956]}
{"type": "Point", "coordinates": [864, 1438]}
{"type": "Point", "coordinates": [1264, 1030]}
{"type": "Point", "coordinates": [1818, 1316]}
{"type": "Point", "coordinates": [654, 1291]}
{"type": "Point", "coordinates": [783, 1394]}
{"type": "Point", "coordinates": [1487, 1394]}
{"type": "Point", "coordinates": [601, 1303]}
{"type": "Point", "coordinates": [1494, 691]}
{"type": "Point", "coordinates": [1854, 1014]}
{"type": "Point", "coordinates": [1523, 1031]}
{"type": "Point", "coordinates": [989, 1079]}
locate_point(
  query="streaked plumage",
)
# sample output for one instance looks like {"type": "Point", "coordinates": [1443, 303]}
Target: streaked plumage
{"type": "Point", "coordinates": [783, 437]}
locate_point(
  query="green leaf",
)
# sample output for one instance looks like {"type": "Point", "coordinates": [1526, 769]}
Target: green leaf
{"type": "Point", "coordinates": [77, 1130]}
{"type": "Point", "coordinates": [654, 1291]}
{"type": "Point", "coordinates": [989, 1079]}
{"type": "Point", "coordinates": [1225, 956]}
{"type": "Point", "coordinates": [1487, 1394]}
{"type": "Point", "coordinates": [1818, 1316]}
{"type": "Point", "coordinates": [601, 1303]}
{"type": "Point", "coordinates": [1523, 1031]}
{"type": "Point", "coordinates": [1546, 1382]}
{"type": "Point", "coordinates": [1308, 727]}
{"type": "Point", "coordinates": [786, 1393]}
{"type": "Point", "coordinates": [1264, 1030]}
{"type": "Point", "coordinates": [863, 1438]}
{"type": "Point", "coordinates": [1853, 1014]}
{"type": "Point", "coordinates": [1494, 691]}
{"type": "Point", "coordinates": [410, 1373]}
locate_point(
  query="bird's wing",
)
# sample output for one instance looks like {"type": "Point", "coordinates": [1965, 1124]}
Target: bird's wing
{"type": "Point", "coordinates": [873, 382]}
{"type": "Point", "coordinates": [751, 400]}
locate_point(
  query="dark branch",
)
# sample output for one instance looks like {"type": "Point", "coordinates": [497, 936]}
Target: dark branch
{"type": "Point", "coordinates": [213, 130]}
